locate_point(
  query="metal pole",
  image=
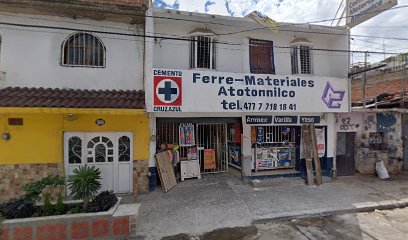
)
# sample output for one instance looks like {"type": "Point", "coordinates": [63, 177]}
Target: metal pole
{"type": "Point", "coordinates": [365, 79]}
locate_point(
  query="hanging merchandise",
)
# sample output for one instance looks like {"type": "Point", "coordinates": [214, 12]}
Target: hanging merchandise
{"type": "Point", "coordinates": [259, 135]}
{"type": "Point", "coordinates": [186, 133]}
{"type": "Point", "coordinates": [192, 153]}
{"type": "Point", "coordinates": [237, 133]}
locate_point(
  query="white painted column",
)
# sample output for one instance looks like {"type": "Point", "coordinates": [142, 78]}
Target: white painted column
{"type": "Point", "coordinates": [148, 78]}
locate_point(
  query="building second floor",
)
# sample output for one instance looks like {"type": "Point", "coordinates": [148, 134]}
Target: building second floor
{"type": "Point", "coordinates": [74, 44]}
{"type": "Point", "coordinates": [186, 40]}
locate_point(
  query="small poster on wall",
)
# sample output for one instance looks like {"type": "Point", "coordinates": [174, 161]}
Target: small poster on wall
{"type": "Point", "coordinates": [209, 159]}
{"type": "Point", "coordinates": [321, 141]}
{"type": "Point", "coordinates": [186, 134]}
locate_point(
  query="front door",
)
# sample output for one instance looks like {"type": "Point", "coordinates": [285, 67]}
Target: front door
{"type": "Point", "coordinates": [212, 147]}
{"type": "Point", "coordinates": [345, 153]}
{"type": "Point", "coordinates": [110, 152]}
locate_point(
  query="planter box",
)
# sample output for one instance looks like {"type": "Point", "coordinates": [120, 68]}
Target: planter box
{"type": "Point", "coordinates": [101, 225]}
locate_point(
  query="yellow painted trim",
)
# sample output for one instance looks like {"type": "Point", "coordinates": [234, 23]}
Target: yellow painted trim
{"type": "Point", "coordinates": [112, 111]}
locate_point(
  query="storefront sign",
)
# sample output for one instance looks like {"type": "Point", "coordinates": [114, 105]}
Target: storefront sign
{"type": "Point", "coordinates": [258, 119]}
{"type": "Point", "coordinates": [309, 119]}
{"type": "Point", "coordinates": [15, 121]}
{"type": "Point", "coordinates": [209, 159]}
{"type": "Point", "coordinates": [203, 91]}
{"type": "Point", "coordinates": [359, 11]}
{"type": "Point", "coordinates": [285, 119]}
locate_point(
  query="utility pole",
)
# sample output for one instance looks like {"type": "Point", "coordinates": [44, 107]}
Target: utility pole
{"type": "Point", "coordinates": [365, 79]}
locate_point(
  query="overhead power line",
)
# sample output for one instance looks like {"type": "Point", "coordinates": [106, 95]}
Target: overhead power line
{"type": "Point", "coordinates": [169, 38]}
{"type": "Point", "coordinates": [263, 28]}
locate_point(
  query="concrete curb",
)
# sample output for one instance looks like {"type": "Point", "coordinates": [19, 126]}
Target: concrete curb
{"type": "Point", "coordinates": [361, 207]}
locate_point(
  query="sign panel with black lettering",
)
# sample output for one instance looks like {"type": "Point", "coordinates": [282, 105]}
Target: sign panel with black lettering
{"type": "Point", "coordinates": [359, 11]}
{"type": "Point", "coordinates": [210, 91]}
{"type": "Point", "coordinates": [285, 119]}
{"type": "Point", "coordinates": [258, 119]}
{"type": "Point", "coordinates": [309, 119]}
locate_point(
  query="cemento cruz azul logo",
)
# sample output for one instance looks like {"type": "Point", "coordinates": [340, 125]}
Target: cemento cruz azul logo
{"type": "Point", "coordinates": [168, 91]}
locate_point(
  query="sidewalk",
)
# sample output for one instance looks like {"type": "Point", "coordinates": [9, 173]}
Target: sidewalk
{"type": "Point", "coordinates": [219, 201]}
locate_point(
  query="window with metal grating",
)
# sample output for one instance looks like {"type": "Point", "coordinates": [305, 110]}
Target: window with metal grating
{"type": "Point", "coordinates": [84, 50]}
{"type": "Point", "coordinates": [301, 59]}
{"type": "Point", "coordinates": [202, 52]}
{"type": "Point", "coordinates": [261, 57]}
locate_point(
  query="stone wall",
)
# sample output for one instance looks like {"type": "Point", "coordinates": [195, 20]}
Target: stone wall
{"type": "Point", "coordinates": [14, 176]}
{"type": "Point", "coordinates": [389, 125]}
{"type": "Point", "coordinates": [140, 177]}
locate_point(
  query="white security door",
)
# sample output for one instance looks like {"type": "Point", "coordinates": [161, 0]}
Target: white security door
{"type": "Point", "coordinates": [100, 152]}
{"type": "Point", "coordinates": [110, 152]}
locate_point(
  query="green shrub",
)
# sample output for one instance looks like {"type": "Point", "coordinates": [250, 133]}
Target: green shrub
{"type": "Point", "coordinates": [1, 222]}
{"type": "Point", "coordinates": [34, 190]}
{"type": "Point", "coordinates": [84, 183]}
{"type": "Point", "coordinates": [17, 208]}
{"type": "Point", "coordinates": [77, 209]}
{"type": "Point", "coordinates": [48, 209]}
{"type": "Point", "coordinates": [59, 207]}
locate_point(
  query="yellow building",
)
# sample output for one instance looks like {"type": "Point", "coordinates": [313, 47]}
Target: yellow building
{"type": "Point", "coordinates": [53, 131]}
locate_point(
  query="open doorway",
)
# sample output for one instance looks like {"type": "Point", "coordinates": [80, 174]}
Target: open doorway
{"type": "Point", "coordinates": [214, 143]}
{"type": "Point", "coordinates": [345, 162]}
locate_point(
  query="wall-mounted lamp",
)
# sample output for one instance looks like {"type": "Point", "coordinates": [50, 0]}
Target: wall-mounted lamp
{"type": "Point", "coordinates": [6, 136]}
{"type": "Point", "coordinates": [70, 117]}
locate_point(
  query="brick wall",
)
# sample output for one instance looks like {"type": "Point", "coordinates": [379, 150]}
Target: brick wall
{"type": "Point", "coordinates": [14, 176]}
{"type": "Point", "coordinates": [376, 88]}
{"type": "Point", "coordinates": [84, 226]}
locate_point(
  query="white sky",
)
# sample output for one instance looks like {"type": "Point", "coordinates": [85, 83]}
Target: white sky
{"type": "Point", "coordinates": [392, 23]}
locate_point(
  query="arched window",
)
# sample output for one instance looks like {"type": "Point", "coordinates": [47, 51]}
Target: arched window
{"type": "Point", "coordinates": [83, 49]}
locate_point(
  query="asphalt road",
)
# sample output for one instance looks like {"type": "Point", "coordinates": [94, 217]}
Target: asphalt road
{"type": "Point", "coordinates": [390, 224]}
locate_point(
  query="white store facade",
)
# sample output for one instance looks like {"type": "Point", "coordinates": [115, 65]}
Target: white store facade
{"type": "Point", "coordinates": [236, 93]}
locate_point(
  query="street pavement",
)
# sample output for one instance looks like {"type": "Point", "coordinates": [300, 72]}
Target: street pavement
{"type": "Point", "coordinates": [376, 225]}
{"type": "Point", "coordinates": [382, 224]}
{"type": "Point", "coordinates": [195, 207]}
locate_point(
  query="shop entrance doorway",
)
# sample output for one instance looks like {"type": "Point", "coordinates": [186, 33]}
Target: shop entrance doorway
{"type": "Point", "coordinates": [212, 147]}
{"type": "Point", "coordinates": [212, 142]}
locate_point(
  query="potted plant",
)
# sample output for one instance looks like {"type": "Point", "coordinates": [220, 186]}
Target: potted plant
{"type": "Point", "coordinates": [84, 184]}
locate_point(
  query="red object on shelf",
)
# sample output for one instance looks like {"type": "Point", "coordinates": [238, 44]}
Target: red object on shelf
{"type": "Point", "coordinates": [238, 133]}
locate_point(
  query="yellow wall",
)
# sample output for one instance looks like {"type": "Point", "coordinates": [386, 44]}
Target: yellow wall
{"type": "Point", "coordinates": [40, 139]}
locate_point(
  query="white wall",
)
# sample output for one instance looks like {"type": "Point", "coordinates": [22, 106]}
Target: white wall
{"type": "Point", "coordinates": [31, 56]}
{"type": "Point", "coordinates": [174, 54]}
